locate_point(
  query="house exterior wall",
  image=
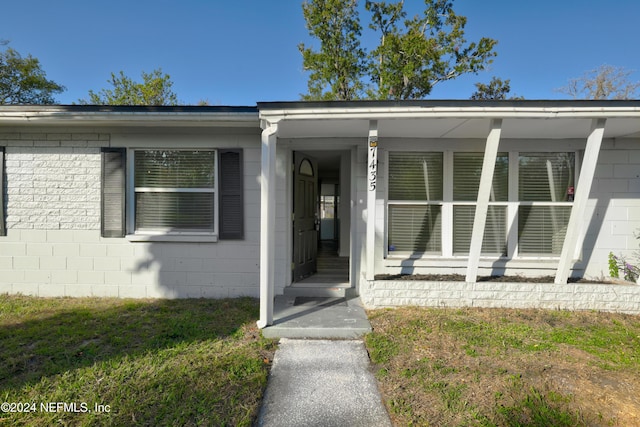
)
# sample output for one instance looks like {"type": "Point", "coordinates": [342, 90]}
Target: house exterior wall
{"type": "Point", "coordinates": [612, 219]}
{"type": "Point", "coordinates": [53, 245]}
{"type": "Point", "coordinates": [613, 211]}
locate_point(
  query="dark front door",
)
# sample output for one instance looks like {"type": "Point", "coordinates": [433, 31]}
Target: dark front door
{"type": "Point", "coordinates": [305, 215]}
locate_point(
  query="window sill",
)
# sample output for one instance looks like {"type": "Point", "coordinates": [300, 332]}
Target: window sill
{"type": "Point", "coordinates": [179, 238]}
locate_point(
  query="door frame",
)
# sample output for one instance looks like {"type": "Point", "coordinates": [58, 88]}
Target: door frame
{"type": "Point", "coordinates": [310, 222]}
{"type": "Point", "coordinates": [349, 176]}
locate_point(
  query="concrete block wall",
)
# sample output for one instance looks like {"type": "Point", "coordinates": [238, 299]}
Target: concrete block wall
{"type": "Point", "coordinates": [574, 296]}
{"type": "Point", "coordinates": [53, 245]}
{"type": "Point", "coordinates": [614, 208]}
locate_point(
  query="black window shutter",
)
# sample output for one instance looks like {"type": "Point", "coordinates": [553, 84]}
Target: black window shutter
{"type": "Point", "coordinates": [3, 228]}
{"type": "Point", "coordinates": [231, 198]}
{"type": "Point", "coordinates": [113, 192]}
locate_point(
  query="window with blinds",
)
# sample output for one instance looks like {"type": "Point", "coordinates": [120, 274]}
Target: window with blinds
{"type": "Point", "coordinates": [546, 177]}
{"type": "Point", "coordinates": [541, 229]}
{"type": "Point", "coordinates": [467, 169]}
{"type": "Point", "coordinates": [547, 181]}
{"type": "Point", "coordinates": [494, 241]}
{"type": "Point", "coordinates": [415, 228]}
{"type": "Point", "coordinates": [415, 202]}
{"type": "Point", "coordinates": [174, 190]}
{"type": "Point", "coordinates": [415, 176]}
{"type": "Point", "coordinates": [423, 209]}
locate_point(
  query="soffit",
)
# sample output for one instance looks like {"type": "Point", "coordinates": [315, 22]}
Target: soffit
{"type": "Point", "coordinates": [457, 128]}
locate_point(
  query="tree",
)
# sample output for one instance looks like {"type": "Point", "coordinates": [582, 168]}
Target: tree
{"type": "Point", "coordinates": [604, 82]}
{"type": "Point", "coordinates": [22, 80]}
{"type": "Point", "coordinates": [155, 89]}
{"type": "Point", "coordinates": [425, 50]}
{"type": "Point", "coordinates": [496, 89]}
{"type": "Point", "coordinates": [411, 57]}
{"type": "Point", "coordinates": [338, 67]}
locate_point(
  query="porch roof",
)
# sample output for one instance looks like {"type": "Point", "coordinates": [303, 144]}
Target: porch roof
{"type": "Point", "coordinates": [456, 119]}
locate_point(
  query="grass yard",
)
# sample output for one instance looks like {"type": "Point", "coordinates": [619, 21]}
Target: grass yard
{"type": "Point", "coordinates": [146, 362]}
{"type": "Point", "coordinates": [504, 367]}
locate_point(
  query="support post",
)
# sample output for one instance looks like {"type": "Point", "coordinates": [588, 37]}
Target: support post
{"type": "Point", "coordinates": [573, 238]}
{"type": "Point", "coordinates": [372, 177]}
{"type": "Point", "coordinates": [267, 221]}
{"type": "Point", "coordinates": [482, 205]}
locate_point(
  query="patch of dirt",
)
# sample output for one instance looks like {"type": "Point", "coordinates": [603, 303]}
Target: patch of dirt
{"type": "Point", "coordinates": [510, 279]}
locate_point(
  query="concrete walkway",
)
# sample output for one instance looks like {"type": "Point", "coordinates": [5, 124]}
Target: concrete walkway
{"type": "Point", "coordinates": [321, 383]}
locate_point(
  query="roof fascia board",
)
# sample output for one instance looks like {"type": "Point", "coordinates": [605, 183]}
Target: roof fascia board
{"type": "Point", "coordinates": [52, 116]}
{"type": "Point", "coordinates": [450, 112]}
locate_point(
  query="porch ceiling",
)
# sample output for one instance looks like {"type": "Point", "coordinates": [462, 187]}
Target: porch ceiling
{"type": "Point", "coordinates": [456, 128]}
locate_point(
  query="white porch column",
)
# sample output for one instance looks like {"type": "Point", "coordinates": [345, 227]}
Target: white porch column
{"type": "Point", "coordinates": [573, 239]}
{"type": "Point", "coordinates": [484, 192]}
{"type": "Point", "coordinates": [372, 177]}
{"type": "Point", "coordinates": [267, 221]}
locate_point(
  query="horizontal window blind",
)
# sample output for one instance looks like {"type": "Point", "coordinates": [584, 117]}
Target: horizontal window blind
{"type": "Point", "coordinates": [547, 177]}
{"type": "Point", "coordinates": [174, 169]}
{"type": "Point", "coordinates": [541, 229]}
{"type": "Point", "coordinates": [415, 176]}
{"type": "Point", "coordinates": [495, 231]}
{"type": "Point", "coordinates": [467, 169]}
{"type": "Point", "coordinates": [174, 190]}
{"type": "Point", "coordinates": [415, 228]}
{"type": "Point", "coordinates": [175, 211]}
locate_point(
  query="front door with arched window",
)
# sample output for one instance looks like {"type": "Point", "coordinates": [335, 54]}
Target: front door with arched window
{"type": "Point", "coordinates": [305, 216]}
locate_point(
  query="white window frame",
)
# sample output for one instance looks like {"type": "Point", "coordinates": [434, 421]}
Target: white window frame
{"type": "Point", "coordinates": [516, 203]}
{"type": "Point", "coordinates": [167, 235]}
{"type": "Point", "coordinates": [444, 203]}
{"type": "Point", "coordinates": [447, 203]}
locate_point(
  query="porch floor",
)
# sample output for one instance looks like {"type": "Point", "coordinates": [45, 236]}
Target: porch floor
{"type": "Point", "coordinates": [331, 278]}
{"type": "Point", "coordinates": [318, 317]}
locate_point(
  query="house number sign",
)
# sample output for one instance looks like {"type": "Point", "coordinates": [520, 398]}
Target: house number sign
{"type": "Point", "coordinates": [373, 163]}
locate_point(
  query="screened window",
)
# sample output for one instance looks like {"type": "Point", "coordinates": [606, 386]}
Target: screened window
{"type": "Point", "coordinates": [415, 202]}
{"type": "Point", "coordinates": [175, 190]}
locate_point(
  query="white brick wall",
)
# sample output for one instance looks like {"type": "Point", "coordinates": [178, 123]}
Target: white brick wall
{"type": "Point", "coordinates": [573, 296]}
{"type": "Point", "coordinates": [53, 245]}
{"type": "Point", "coordinates": [53, 180]}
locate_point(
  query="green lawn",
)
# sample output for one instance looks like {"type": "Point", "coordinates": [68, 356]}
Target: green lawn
{"type": "Point", "coordinates": [502, 367]}
{"type": "Point", "coordinates": [147, 362]}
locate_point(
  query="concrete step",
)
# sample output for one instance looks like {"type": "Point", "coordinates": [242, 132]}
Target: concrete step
{"type": "Point", "coordinates": [319, 290]}
{"type": "Point", "coordinates": [326, 319]}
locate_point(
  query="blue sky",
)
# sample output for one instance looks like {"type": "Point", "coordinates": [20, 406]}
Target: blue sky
{"type": "Point", "coordinates": [238, 52]}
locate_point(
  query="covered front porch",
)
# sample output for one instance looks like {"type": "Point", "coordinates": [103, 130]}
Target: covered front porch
{"type": "Point", "coordinates": [367, 131]}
